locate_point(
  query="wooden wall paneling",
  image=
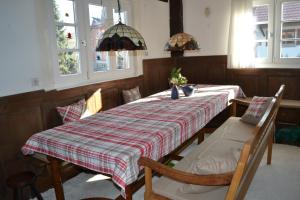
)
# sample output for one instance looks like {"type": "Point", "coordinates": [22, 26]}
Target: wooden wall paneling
{"type": "Point", "coordinates": [22, 115]}
{"type": "Point", "coordinates": [16, 127]}
{"type": "Point", "coordinates": [194, 69]}
{"type": "Point", "coordinates": [156, 74]}
{"type": "Point", "coordinates": [204, 69]}
{"type": "Point", "coordinates": [216, 71]}
{"type": "Point", "coordinates": [292, 82]}
{"type": "Point", "coordinates": [110, 98]}
{"type": "Point", "coordinates": [265, 82]}
{"type": "Point", "coordinates": [288, 116]}
{"type": "Point", "coordinates": [249, 80]}
{"type": "Point", "coordinates": [198, 69]}
{"type": "Point", "coordinates": [216, 74]}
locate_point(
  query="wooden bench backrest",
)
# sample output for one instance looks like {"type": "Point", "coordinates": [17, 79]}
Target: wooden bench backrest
{"type": "Point", "coordinates": [253, 150]}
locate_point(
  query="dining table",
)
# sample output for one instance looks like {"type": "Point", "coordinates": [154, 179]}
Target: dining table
{"type": "Point", "coordinates": [111, 142]}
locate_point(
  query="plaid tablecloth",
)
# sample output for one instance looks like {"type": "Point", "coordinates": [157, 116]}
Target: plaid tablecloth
{"type": "Point", "coordinates": [111, 142]}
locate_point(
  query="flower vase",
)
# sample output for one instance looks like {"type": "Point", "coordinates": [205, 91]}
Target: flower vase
{"type": "Point", "coordinates": [174, 92]}
{"type": "Point", "coordinates": [187, 90]}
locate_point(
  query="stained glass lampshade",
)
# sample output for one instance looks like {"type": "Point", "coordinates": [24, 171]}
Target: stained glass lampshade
{"type": "Point", "coordinates": [181, 42]}
{"type": "Point", "coordinates": [121, 37]}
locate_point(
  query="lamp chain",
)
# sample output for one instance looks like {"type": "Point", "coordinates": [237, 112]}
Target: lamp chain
{"type": "Point", "coordinates": [119, 10]}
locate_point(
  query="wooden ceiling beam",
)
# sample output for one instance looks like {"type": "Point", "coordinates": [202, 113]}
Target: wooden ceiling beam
{"type": "Point", "coordinates": [176, 21]}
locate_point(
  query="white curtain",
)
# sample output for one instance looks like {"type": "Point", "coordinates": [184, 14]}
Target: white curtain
{"type": "Point", "coordinates": [241, 35]}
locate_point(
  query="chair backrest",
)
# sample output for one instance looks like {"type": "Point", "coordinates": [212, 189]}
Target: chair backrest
{"type": "Point", "coordinates": [253, 150]}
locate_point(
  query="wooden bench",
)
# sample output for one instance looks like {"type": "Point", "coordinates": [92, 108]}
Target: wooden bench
{"type": "Point", "coordinates": [253, 141]}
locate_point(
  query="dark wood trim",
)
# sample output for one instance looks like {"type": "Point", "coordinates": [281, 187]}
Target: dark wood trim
{"type": "Point", "coordinates": [176, 22]}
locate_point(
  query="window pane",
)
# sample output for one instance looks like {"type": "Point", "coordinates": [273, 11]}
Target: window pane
{"type": "Point", "coordinates": [122, 60]}
{"type": "Point", "coordinates": [291, 30]}
{"type": "Point", "coordinates": [69, 63]}
{"type": "Point", "coordinates": [261, 50]}
{"type": "Point", "coordinates": [64, 11]}
{"type": "Point", "coordinates": [260, 13]}
{"type": "Point", "coordinates": [261, 32]}
{"type": "Point", "coordinates": [98, 15]}
{"type": "Point", "coordinates": [101, 62]}
{"type": "Point", "coordinates": [290, 49]}
{"type": "Point", "coordinates": [98, 25]}
{"type": "Point", "coordinates": [291, 11]}
{"type": "Point", "coordinates": [66, 37]}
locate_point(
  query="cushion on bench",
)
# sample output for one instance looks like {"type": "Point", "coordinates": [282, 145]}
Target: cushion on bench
{"type": "Point", "coordinates": [225, 140]}
{"type": "Point", "coordinates": [235, 129]}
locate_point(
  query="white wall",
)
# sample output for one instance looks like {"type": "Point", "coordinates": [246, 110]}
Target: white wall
{"type": "Point", "coordinates": [153, 23]}
{"type": "Point", "coordinates": [21, 56]}
{"type": "Point", "coordinates": [210, 31]}
{"type": "Point", "coordinates": [155, 27]}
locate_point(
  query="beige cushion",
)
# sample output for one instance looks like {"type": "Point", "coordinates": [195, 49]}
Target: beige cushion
{"type": "Point", "coordinates": [256, 109]}
{"type": "Point", "coordinates": [230, 137]}
{"type": "Point", "coordinates": [131, 95]}
{"type": "Point", "coordinates": [222, 157]}
{"type": "Point", "coordinates": [176, 190]}
{"type": "Point", "coordinates": [235, 129]}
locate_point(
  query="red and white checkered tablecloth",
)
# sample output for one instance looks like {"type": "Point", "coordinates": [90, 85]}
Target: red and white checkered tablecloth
{"type": "Point", "coordinates": [112, 141]}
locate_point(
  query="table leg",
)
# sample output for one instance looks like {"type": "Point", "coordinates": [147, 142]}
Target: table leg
{"type": "Point", "coordinates": [55, 165]}
{"type": "Point", "coordinates": [128, 193]}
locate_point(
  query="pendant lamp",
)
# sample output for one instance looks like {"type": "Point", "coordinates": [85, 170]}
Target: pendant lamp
{"type": "Point", "coordinates": [121, 37]}
{"type": "Point", "coordinates": [181, 42]}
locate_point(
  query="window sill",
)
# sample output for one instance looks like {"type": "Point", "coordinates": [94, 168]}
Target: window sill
{"type": "Point", "coordinates": [277, 65]}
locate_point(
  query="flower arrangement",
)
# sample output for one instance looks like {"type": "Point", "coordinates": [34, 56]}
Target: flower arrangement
{"type": "Point", "coordinates": [176, 77]}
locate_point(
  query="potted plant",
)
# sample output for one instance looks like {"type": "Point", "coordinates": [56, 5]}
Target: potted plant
{"type": "Point", "coordinates": [176, 79]}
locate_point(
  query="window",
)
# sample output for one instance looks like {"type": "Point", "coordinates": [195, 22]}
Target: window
{"type": "Point", "coordinates": [78, 26]}
{"type": "Point", "coordinates": [66, 38]}
{"type": "Point", "coordinates": [290, 30]}
{"type": "Point", "coordinates": [277, 31]}
{"type": "Point", "coordinates": [261, 16]}
{"type": "Point", "coordinates": [98, 24]}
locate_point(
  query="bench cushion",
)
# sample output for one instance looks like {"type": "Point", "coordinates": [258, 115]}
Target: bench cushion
{"type": "Point", "coordinates": [235, 129]}
{"type": "Point", "coordinates": [230, 136]}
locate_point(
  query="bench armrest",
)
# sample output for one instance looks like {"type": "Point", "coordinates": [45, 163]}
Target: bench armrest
{"type": "Point", "coordinates": [189, 178]}
{"type": "Point", "coordinates": [235, 102]}
{"type": "Point", "coordinates": [245, 101]}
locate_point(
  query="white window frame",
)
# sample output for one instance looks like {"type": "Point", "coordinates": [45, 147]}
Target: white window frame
{"type": "Point", "coordinates": [270, 40]}
{"type": "Point", "coordinates": [274, 37]}
{"type": "Point", "coordinates": [87, 74]}
{"type": "Point", "coordinates": [278, 30]}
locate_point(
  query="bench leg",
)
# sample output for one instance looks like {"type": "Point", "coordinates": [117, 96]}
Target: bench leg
{"type": "Point", "coordinates": [270, 146]}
